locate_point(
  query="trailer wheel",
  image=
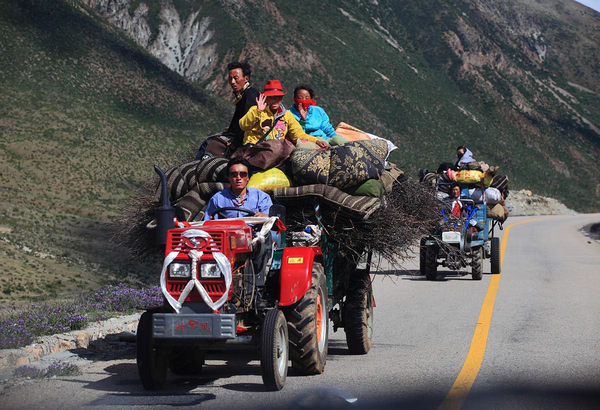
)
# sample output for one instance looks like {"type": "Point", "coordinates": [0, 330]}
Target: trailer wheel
{"type": "Point", "coordinates": [477, 263]}
{"type": "Point", "coordinates": [430, 262]}
{"type": "Point", "coordinates": [358, 315]}
{"type": "Point", "coordinates": [151, 360]}
{"type": "Point", "coordinates": [274, 350]}
{"type": "Point", "coordinates": [308, 326]}
{"type": "Point", "coordinates": [495, 256]}
{"type": "Point", "coordinates": [186, 361]}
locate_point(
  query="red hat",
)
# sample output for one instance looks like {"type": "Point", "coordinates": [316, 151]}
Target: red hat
{"type": "Point", "coordinates": [273, 88]}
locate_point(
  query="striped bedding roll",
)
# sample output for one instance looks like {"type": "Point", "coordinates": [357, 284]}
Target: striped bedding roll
{"type": "Point", "coordinates": [361, 206]}
{"type": "Point", "coordinates": [194, 201]}
{"type": "Point", "coordinates": [183, 178]}
{"type": "Point", "coordinates": [391, 176]}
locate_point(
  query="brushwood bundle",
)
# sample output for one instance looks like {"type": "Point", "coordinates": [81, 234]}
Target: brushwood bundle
{"type": "Point", "coordinates": [403, 215]}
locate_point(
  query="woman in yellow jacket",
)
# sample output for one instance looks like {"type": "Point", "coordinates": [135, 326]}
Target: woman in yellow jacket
{"type": "Point", "coordinates": [268, 109]}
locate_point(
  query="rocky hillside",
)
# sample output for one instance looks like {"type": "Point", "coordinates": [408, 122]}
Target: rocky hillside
{"type": "Point", "coordinates": [518, 81]}
{"type": "Point", "coordinates": [525, 202]}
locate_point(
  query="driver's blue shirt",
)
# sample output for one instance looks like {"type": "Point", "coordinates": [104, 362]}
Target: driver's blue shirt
{"type": "Point", "coordinates": [255, 201]}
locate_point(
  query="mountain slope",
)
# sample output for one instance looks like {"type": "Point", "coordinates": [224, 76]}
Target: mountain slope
{"type": "Point", "coordinates": [86, 112]}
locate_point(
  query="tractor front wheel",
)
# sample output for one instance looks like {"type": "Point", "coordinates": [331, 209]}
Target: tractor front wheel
{"type": "Point", "coordinates": [274, 350]}
{"type": "Point", "coordinates": [308, 326]}
{"type": "Point", "coordinates": [430, 262]}
{"type": "Point", "coordinates": [477, 263]}
{"type": "Point", "coordinates": [151, 360]}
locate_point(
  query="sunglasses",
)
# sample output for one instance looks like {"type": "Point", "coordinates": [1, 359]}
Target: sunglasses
{"type": "Point", "coordinates": [241, 174]}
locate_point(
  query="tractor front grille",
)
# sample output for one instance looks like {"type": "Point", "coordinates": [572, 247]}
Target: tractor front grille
{"type": "Point", "coordinates": [176, 243]}
{"type": "Point", "coordinates": [214, 288]}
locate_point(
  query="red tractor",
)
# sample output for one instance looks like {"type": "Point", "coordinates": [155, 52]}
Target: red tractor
{"type": "Point", "coordinates": [214, 298]}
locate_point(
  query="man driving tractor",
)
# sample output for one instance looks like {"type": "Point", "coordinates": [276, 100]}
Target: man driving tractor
{"type": "Point", "coordinates": [238, 195]}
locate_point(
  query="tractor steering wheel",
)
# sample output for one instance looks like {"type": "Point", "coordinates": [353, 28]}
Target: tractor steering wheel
{"type": "Point", "coordinates": [221, 211]}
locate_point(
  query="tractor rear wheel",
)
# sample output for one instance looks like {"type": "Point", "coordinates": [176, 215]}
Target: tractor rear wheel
{"type": "Point", "coordinates": [477, 263]}
{"type": "Point", "coordinates": [151, 360]}
{"type": "Point", "coordinates": [495, 256]}
{"type": "Point", "coordinates": [358, 315]}
{"type": "Point", "coordinates": [274, 350]}
{"type": "Point", "coordinates": [430, 262]}
{"type": "Point", "coordinates": [308, 326]}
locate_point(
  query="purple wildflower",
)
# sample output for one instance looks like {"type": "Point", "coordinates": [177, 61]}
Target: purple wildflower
{"type": "Point", "coordinates": [38, 320]}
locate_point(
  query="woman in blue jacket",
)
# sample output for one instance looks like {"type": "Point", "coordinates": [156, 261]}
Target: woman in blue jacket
{"type": "Point", "coordinates": [312, 118]}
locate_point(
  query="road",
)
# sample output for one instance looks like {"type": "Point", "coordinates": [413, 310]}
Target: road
{"type": "Point", "coordinates": [540, 349]}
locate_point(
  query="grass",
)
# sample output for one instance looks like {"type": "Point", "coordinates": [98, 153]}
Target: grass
{"type": "Point", "coordinates": [85, 116]}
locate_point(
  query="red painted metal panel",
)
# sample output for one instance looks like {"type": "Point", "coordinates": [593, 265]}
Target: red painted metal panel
{"type": "Point", "coordinates": [296, 273]}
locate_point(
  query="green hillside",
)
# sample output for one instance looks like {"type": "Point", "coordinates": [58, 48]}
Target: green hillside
{"type": "Point", "coordinates": [85, 112]}
{"type": "Point", "coordinates": [84, 116]}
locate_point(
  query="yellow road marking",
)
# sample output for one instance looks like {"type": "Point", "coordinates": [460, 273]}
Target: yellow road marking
{"type": "Point", "coordinates": [465, 379]}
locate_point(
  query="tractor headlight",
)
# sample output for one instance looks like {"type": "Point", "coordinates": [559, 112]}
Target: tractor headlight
{"type": "Point", "coordinates": [180, 270]}
{"type": "Point", "coordinates": [210, 271]}
{"type": "Point", "coordinates": [451, 237]}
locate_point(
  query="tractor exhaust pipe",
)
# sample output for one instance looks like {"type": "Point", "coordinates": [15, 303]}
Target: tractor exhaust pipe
{"type": "Point", "coordinates": [165, 214]}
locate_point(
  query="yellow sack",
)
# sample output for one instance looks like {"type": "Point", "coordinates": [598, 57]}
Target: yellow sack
{"type": "Point", "coordinates": [268, 180]}
{"type": "Point", "coordinates": [487, 179]}
{"type": "Point", "coordinates": [467, 176]}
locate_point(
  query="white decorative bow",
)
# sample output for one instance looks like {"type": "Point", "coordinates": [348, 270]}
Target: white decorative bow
{"type": "Point", "coordinates": [222, 263]}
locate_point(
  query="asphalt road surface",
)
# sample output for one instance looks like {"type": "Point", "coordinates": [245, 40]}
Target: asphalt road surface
{"type": "Point", "coordinates": [528, 338]}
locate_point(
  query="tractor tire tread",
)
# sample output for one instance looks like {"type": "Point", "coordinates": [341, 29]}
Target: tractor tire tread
{"type": "Point", "coordinates": [152, 363]}
{"type": "Point", "coordinates": [302, 328]}
{"type": "Point", "coordinates": [430, 262]}
{"type": "Point", "coordinates": [495, 256]}
{"type": "Point", "coordinates": [477, 264]}
{"type": "Point", "coordinates": [355, 317]}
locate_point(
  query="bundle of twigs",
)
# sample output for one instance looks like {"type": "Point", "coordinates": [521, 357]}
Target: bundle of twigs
{"type": "Point", "coordinates": [408, 212]}
{"type": "Point", "coordinates": [132, 232]}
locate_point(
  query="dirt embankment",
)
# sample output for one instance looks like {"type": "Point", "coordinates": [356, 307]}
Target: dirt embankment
{"type": "Point", "coordinates": [524, 202]}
